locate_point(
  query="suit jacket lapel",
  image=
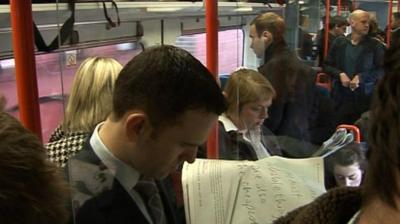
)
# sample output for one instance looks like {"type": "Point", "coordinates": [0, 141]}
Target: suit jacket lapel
{"type": "Point", "coordinates": [109, 201]}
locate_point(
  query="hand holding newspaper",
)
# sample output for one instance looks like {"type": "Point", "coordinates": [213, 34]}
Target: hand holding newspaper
{"type": "Point", "coordinates": [221, 191]}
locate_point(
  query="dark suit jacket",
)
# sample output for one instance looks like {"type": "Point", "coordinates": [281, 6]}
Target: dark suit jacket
{"type": "Point", "coordinates": [112, 204]}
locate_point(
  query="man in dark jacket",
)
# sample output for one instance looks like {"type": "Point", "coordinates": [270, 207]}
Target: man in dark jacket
{"type": "Point", "coordinates": [337, 28]}
{"type": "Point", "coordinates": [165, 102]}
{"type": "Point", "coordinates": [297, 102]}
{"type": "Point", "coordinates": [355, 65]}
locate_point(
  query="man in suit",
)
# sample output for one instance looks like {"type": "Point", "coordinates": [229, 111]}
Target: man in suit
{"type": "Point", "coordinates": [165, 102]}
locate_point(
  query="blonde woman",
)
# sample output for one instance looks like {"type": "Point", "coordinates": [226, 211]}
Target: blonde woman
{"type": "Point", "coordinates": [89, 103]}
{"type": "Point", "coordinates": [242, 135]}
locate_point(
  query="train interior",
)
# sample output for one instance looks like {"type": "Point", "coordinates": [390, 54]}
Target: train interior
{"type": "Point", "coordinates": [123, 29]}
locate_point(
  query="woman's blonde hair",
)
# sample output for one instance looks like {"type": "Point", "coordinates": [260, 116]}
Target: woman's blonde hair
{"type": "Point", "coordinates": [90, 101]}
{"type": "Point", "coordinates": [245, 86]}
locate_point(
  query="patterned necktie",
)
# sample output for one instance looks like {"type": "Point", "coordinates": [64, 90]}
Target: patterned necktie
{"type": "Point", "coordinates": [149, 192]}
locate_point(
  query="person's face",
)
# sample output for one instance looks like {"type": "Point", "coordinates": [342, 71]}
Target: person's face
{"type": "Point", "coordinates": [259, 43]}
{"type": "Point", "coordinates": [348, 175]}
{"type": "Point", "coordinates": [340, 30]}
{"type": "Point", "coordinates": [163, 151]}
{"type": "Point", "coordinates": [360, 24]}
{"type": "Point", "coordinates": [253, 114]}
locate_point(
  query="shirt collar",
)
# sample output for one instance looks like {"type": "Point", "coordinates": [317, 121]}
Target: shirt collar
{"type": "Point", "coordinates": [125, 174]}
{"type": "Point", "coordinates": [228, 124]}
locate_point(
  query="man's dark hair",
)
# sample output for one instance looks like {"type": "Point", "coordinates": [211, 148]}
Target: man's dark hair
{"type": "Point", "coordinates": [350, 154]}
{"type": "Point", "coordinates": [32, 189]}
{"type": "Point", "coordinates": [164, 82]}
{"type": "Point", "coordinates": [337, 21]}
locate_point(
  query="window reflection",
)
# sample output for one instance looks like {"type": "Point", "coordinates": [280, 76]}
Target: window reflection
{"type": "Point", "coordinates": [55, 72]}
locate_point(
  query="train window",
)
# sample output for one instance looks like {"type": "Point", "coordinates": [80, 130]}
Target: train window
{"type": "Point", "coordinates": [55, 72]}
{"type": "Point", "coordinates": [230, 48]}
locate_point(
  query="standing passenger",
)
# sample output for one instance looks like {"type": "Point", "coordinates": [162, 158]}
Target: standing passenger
{"type": "Point", "coordinates": [395, 30]}
{"type": "Point", "coordinates": [165, 102]}
{"type": "Point", "coordinates": [88, 104]}
{"type": "Point", "coordinates": [355, 64]}
{"type": "Point", "coordinates": [337, 28]}
{"type": "Point", "coordinates": [296, 108]}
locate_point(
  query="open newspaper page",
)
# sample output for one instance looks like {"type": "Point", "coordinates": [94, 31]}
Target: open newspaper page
{"type": "Point", "coordinates": [210, 188]}
{"type": "Point", "coordinates": [220, 191]}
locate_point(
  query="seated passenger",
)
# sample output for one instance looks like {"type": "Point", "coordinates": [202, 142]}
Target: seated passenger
{"type": "Point", "coordinates": [88, 104]}
{"type": "Point", "coordinates": [379, 199]}
{"type": "Point", "coordinates": [242, 135]}
{"type": "Point", "coordinates": [347, 166]}
{"type": "Point", "coordinates": [31, 188]}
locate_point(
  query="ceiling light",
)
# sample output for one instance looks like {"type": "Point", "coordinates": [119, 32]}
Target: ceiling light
{"type": "Point", "coordinates": [243, 9]}
{"type": "Point", "coordinates": [163, 9]}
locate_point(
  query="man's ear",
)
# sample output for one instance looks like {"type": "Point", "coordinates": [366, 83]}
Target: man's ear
{"type": "Point", "coordinates": [267, 35]}
{"type": "Point", "coordinates": [135, 125]}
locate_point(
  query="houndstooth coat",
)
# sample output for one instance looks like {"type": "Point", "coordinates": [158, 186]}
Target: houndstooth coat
{"type": "Point", "coordinates": [62, 145]}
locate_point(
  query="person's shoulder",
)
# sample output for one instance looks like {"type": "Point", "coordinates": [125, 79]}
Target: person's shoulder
{"type": "Point", "coordinates": [339, 204]}
{"type": "Point", "coordinates": [341, 40]}
{"type": "Point", "coordinates": [373, 42]}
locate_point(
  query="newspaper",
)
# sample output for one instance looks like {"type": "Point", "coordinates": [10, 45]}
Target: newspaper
{"type": "Point", "coordinates": [222, 191]}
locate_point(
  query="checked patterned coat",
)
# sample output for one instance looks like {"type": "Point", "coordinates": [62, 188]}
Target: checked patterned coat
{"type": "Point", "coordinates": [62, 145]}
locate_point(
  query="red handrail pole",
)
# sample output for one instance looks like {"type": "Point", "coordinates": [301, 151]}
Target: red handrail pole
{"type": "Point", "coordinates": [25, 69]}
{"type": "Point", "coordinates": [389, 26]}
{"type": "Point", "coordinates": [327, 18]}
{"type": "Point", "coordinates": [352, 128]}
{"type": "Point", "coordinates": [339, 7]}
{"type": "Point", "coordinates": [212, 65]}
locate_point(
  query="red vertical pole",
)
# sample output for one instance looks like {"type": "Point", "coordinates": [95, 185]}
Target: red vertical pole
{"type": "Point", "coordinates": [339, 7]}
{"type": "Point", "coordinates": [389, 22]}
{"type": "Point", "coordinates": [327, 18]}
{"type": "Point", "coordinates": [25, 70]}
{"type": "Point", "coordinates": [212, 65]}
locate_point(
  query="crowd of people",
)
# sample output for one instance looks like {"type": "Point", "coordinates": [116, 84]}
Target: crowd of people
{"type": "Point", "coordinates": [127, 129]}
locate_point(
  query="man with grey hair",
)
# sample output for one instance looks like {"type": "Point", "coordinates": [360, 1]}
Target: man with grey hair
{"type": "Point", "coordinates": [355, 65]}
